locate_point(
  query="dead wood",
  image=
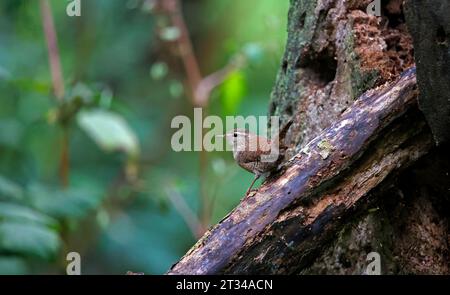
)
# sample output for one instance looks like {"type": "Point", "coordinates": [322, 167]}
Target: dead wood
{"type": "Point", "coordinates": [287, 222]}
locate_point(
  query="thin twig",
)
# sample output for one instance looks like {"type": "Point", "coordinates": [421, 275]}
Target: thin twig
{"type": "Point", "coordinates": [210, 82]}
{"type": "Point", "coordinates": [53, 51]}
{"type": "Point", "coordinates": [64, 164]}
{"type": "Point", "coordinates": [58, 83]}
{"type": "Point", "coordinates": [201, 87]}
{"type": "Point", "coordinates": [185, 48]}
{"type": "Point", "coordinates": [185, 212]}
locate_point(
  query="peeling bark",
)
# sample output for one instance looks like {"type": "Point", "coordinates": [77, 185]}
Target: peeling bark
{"type": "Point", "coordinates": [334, 53]}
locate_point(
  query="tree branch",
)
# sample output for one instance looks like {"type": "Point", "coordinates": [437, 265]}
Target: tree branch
{"type": "Point", "coordinates": [284, 225]}
{"type": "Point", "coordinates": [173, 7]}
{"type": "Point", "coordinates": [58, 84]}
{"type": "Point", "coordinates": [53, 51]}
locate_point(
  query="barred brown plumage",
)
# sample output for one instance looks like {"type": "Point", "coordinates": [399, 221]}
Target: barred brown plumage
{"type": "Point", "coordinates": [257, 154]}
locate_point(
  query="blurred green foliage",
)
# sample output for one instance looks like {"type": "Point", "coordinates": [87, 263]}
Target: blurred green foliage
{"type": "Point", "coordinates": [123, 87]}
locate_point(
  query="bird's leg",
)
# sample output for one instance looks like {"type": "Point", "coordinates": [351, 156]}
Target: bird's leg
{"type": "Point", "coordinates": [253, 182]}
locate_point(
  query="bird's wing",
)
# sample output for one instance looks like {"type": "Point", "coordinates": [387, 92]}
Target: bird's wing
{"type": "Point", "coordinates": [248, 157]}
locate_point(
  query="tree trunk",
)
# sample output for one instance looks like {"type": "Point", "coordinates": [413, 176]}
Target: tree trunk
{"type": "Point", "coordinates": [364, 175]}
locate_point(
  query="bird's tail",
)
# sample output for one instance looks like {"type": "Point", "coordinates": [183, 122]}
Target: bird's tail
{"type": "Point", "coordinates": [280, 138]}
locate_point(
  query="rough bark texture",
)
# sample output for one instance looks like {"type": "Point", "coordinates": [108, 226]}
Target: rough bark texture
{"type": "Point", "coordinates": [355, 183]}
{"type": "Point", "coordinates": [408, 226]}
{"type": "Point", "coordinates": [334, 53]}
{"type": "Point", "coordinates": [368, 51]}
{"type": "Point", "coordinates": [282, 227]}
{"type": "Point", "coordinates": [429, 24]}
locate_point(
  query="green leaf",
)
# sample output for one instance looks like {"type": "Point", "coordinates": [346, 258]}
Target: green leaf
{"type": "Point", "coordinates": [234, 89]}
{"type": "Point", "coordinates": [13, 266]}
{"type": "Point", "coordinates": [9, 190]}
{"type": "Point", "coordinates": [71, 203]}
{"type": "Point", "coordinates": [28, 239]}
{"type": "Point", "coordinates": [109, 130]}
{"type": "Point", "coordinates": [19, 213]}
{"type": "Point", "coordinates": [33, 85]}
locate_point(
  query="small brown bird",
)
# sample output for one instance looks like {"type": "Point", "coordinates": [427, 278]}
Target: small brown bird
{"type": "Point", "coordinates": [257, 154]}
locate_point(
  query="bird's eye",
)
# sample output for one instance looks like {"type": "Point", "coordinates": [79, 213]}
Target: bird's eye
{"type": "Point", "coordinates": [235, 134]}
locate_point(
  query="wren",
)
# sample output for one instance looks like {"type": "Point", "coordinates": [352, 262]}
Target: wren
{"type": "Point", "coordinates": [255, 153]}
